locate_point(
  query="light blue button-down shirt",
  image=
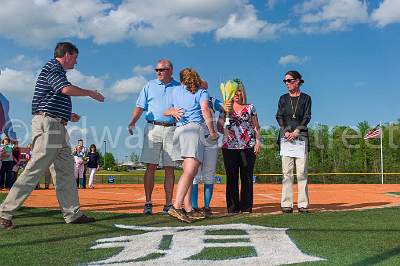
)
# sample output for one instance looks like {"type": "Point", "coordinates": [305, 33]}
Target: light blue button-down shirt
{"type": "Point", "coordinates": [155, 98]}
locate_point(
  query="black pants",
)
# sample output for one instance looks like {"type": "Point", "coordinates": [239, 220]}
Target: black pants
{"type": "Point", "coordinates": [6, 174]}
{"type": "Point", "coordinates": [239, 162]}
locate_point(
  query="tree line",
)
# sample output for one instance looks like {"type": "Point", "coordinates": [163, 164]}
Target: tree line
{"type": "Point", "coordinates": [338, 149]}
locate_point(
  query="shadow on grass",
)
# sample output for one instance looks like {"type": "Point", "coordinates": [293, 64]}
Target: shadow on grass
{"type": "Point", "coordinates": [379, 258]}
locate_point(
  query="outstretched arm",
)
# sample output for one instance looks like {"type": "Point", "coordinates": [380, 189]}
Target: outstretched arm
{"type": "Point", "coordinates": [73, 90]}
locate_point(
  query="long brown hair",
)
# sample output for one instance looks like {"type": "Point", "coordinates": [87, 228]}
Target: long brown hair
{"type": "Point", "coordinates": [191, 79]}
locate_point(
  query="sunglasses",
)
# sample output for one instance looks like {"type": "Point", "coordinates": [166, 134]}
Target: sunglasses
{"type": "Point", "coordinates": [288, 80]}
{"type": "Point", "coordinates": [161, 69]}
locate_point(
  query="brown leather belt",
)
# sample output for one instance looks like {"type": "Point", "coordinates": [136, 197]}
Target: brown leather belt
{"type": "Point", "coordinates": [61, 120]}
{"type": "Point", "coordinates": [161, 124]}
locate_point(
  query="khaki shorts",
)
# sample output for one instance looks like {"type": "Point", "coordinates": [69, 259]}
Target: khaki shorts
{"type": "Point", "coordinates": [187, 142]}
{"type": "Point", "coordinates": [157, 145]}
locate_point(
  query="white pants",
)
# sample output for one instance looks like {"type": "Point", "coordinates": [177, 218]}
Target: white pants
{"type": "Point", "coordinates": [78, 171]}
{"type": "Point", "coordinates": [207, 169]}
{"type": "Point", "coordinates": [92, 175]}
{"type": "Point", "coordinates": [287, 182]}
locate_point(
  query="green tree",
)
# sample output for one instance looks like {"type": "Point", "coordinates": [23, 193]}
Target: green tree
{"type": "Point", "coordinates": [109, 160]}
{"type": "Point", "coordinates": [134, 158]}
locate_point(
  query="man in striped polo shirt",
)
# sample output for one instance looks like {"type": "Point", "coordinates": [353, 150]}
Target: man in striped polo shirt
{"type": "Point", "coordinates": [51, 110]}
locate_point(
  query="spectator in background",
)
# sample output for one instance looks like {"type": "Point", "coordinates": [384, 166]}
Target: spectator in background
{"type": "Point", "coordinates": [79, 166]}
{"type": "Point", "coordinates": [3, 155]}
{"type": "Point", "coordinates": [85, 151]}
{"type": "Point", "coordinates": [16, 152]}
{"type": "Point", "coordinates": [92, 164]}
{"type": "Point", "coordinates": [47, 177]}
{"type": "Point", "coordinates": [6, 174]}
{"type": "Point", "coordinates": [240, 145]}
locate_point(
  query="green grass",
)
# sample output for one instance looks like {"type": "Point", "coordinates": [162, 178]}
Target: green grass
{"type": "Point", "coordinates": [226, 232]}
{"type": "Point", "coordinates": [342, 238]}
{"type": "Point", "coordinates": [165, 242]}
{"type": "Point", "coordinates": [227, 240]}
{"type": "Point", "coordinates": [225, 253]}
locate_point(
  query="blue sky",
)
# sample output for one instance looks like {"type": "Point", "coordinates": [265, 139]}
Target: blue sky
{"type": "Point", "coordinates": [347, 51]}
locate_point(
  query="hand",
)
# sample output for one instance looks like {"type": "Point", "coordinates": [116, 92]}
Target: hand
{"type": "Point", "coordinates": [294, 135]}
{"type": "Point", "coordinates": [131, 127]}
{"type": "Point", "coordinates": [228, 107]}
{"type": "Point", "coordinates": [97, 96]}
{"type": "Point", "coordinates": [74, 117]}
{"type": "Point", "coordinates": [214, 135]}
{"type": "Point", "coordinates": [176, 113]}
{"type": "Point", "coordinates": [257, 147]}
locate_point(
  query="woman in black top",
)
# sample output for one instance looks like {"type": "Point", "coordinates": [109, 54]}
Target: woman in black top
{"type": "Point", "coordinates": [92, 164]}
{"type": "Point", "coordinates": [293, 116]}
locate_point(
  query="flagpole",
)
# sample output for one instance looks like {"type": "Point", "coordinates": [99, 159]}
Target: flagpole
{"type": "Point", "coordinates": [380, 125]}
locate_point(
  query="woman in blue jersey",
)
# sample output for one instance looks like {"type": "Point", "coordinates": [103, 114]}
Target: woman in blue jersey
{"type": "Point", "coordinates": [191, 110]}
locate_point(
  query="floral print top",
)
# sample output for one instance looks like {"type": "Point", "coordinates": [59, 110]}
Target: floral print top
{"type": "Point", "coordinates": [240, 134]}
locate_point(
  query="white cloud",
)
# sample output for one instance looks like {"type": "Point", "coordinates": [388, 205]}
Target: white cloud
{"type": "Point", "coordinates": [388, 12]}
{"type": "Point", "coordinates": [40, 22]}
{"type": "Point", "coordinates": [26, 63]}
{"type": "Point", "coordinates": [19, 82]}
{"type": "Point", "coordinates": [143, 70]}
{"type": "Point", "coordinates": [86, 82]}
{"type": "Point", "coordinates": [146, 23]}
{"type": "Point", "coordinates": [154, 22]}
{"type": "Point", "coordinates": [292, 59]}
{"type": "Point", "coordinates": [318, 16]}
{"type": "Point", "coordinates": [122, 89]}
{"type": "Point", "coordinates": [246, 25]}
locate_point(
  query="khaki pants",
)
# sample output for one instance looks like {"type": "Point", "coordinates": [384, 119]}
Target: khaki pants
{"type": "Point", "coordinates": [50, 149]}
{"type": "Point", "coordinates": [288, 164]}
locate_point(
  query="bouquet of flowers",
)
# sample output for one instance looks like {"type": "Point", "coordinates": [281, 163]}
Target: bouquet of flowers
{"type": "Point", "coordinates": [228, 91]}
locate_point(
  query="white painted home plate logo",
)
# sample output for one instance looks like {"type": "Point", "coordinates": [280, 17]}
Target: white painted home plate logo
{"type": "Point", "coordinates": [227, 244]}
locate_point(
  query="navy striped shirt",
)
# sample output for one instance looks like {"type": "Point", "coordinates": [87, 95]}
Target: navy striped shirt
{"type": "Point", "coordinates": [47, 96]}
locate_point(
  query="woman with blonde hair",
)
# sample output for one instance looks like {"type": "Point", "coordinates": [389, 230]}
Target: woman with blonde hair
{"type": "Point", "coordinates": [240, 145]}
{"type": "Point", "coordinates": [190, 108]}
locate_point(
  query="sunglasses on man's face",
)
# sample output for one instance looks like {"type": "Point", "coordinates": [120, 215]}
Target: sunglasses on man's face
{"type": "Point", "coordinates": [161, 69]}
{"type": "Point", "coordinates": [288, 80]}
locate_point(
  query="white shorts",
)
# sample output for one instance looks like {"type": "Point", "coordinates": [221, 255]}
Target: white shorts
{"type": "Point", "coordinates": [187, 142]}
{"type": "Point", "coordinates": [157, 145]}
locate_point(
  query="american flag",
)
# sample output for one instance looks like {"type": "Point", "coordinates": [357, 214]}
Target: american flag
{"type": "Point", "coordinates": [373, 133]}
